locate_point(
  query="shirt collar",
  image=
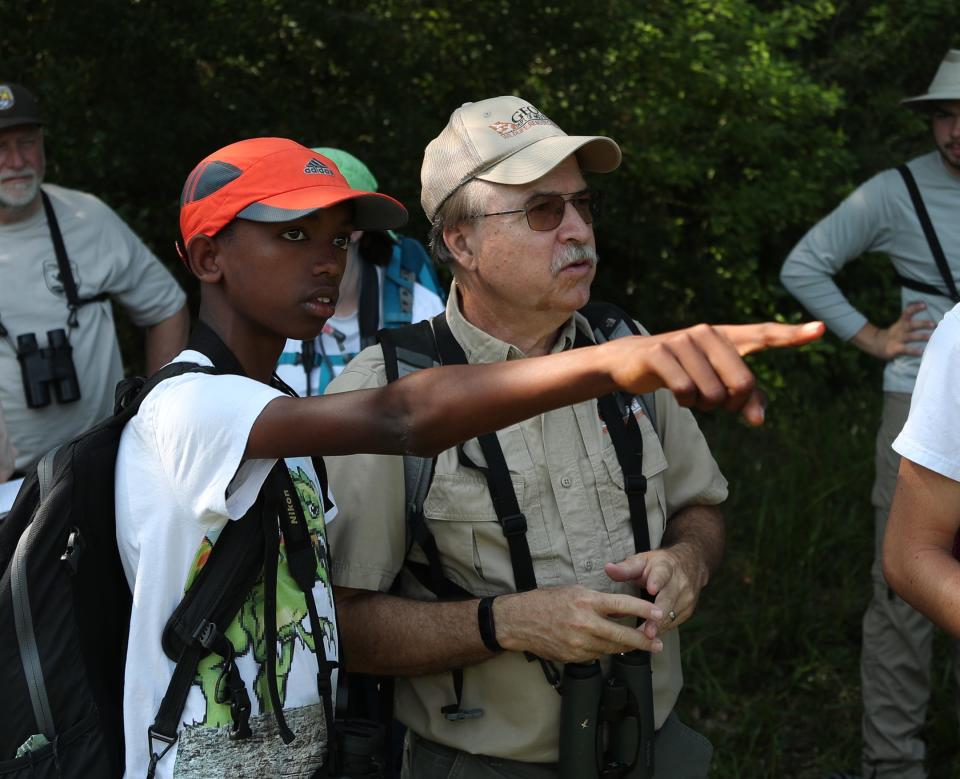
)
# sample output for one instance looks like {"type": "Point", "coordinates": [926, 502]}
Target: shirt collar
{"type": "Point", "coordinates": [481, 347]}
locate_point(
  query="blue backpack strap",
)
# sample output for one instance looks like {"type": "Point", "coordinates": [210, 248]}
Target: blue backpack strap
{"type": "Point", "coordinates": [409, 264]}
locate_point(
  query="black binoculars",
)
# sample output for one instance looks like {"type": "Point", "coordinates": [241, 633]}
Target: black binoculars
{"type": "Point", "coordinates": [358, 750]}
{"type": "Point", "coordinates": [606, 725]}
{"type": "Point", "coordinates": [41, 368]}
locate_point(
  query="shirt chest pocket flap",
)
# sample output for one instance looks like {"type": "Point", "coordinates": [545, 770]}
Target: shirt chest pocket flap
{"type": "Point", "coordinates": [610, 483]}
{"type": "Point", "coordinates": [473, 550]}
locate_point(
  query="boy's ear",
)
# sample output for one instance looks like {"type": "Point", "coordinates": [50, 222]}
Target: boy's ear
{"type": "Point", "coordinates": [203, 259]}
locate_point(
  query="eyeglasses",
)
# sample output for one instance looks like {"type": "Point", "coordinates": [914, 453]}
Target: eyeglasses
{"type": "Point", "coordinates": [546, 211]}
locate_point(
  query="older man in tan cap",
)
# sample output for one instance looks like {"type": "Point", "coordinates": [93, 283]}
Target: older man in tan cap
{"type": "Point", "coordinates": [912, 214]}
{"type": "Point", "coordinates": [514, 574]}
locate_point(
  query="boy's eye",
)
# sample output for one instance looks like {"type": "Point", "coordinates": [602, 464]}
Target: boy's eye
{"type": "Point", "coordinates": [342, 242]}
{"type": "Point", "coordinates": [294, 234]}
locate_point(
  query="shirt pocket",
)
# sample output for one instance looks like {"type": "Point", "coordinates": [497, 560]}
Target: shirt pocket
{"type": "Point", "coordinates": [613, 498]}
{"type": "Point", "coordinates": [473, 550]}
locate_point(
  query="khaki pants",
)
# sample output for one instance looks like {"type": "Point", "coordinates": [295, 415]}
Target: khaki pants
{"type": "Point", "coordinates": [897, 640]}
{"type": "Point", "coordinates": [679, 753]}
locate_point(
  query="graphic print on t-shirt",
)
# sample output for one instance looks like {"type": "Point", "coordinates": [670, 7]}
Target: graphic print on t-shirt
{"type": "Point", "coordinates": [296, 645]}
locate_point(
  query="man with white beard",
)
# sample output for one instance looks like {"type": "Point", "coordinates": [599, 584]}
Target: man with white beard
{"type": "Point", "coordinates": [64, 255]}
{"type": "Point", "coordinates": [554, 576]}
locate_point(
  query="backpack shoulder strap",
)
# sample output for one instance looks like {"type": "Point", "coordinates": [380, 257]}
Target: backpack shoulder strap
{"type": "Point", "coordinates": [932, 241]}
{"type": "Point", "coordinates": [408, 349]}
{"type": "Point", "coordinates": [414, 257]}
{"type": "Point", "coordinates": [368, 308]}
{"type": "Point", "coordinates": [609, 321]}
{"type": "Point", "coordinates": [405, 350]}
{"type": "Point", "coordinates": [409, 265]}
{"type": "Point", "coordinates": [397, 293]}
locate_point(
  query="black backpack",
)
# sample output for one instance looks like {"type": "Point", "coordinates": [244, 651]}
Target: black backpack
{"type": "Point", "coordinates": [65, 608]}
{"type": "Point", "coordinates": [65, 604]}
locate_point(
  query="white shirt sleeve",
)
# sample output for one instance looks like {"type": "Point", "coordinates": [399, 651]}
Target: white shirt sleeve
{"type": "Point", "coordinates": [931, 436]}
{"type": "Point", "coordinates": [201, 424]}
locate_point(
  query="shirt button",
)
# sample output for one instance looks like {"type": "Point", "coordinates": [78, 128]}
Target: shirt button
{"type": "Point", "coordinates": [588, 566]}
{"type": "Point", "coordinates": [566, 481]}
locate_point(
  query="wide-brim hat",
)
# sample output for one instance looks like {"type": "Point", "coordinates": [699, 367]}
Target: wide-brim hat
{"type": "Point", "coordinates": [274, 180]}
{"type": "Point", "coordinates": [17, 106]}
{"type": "Point", "coordinates": [505, 140]}
{"type": "Point", "coordinates": [945, 84]}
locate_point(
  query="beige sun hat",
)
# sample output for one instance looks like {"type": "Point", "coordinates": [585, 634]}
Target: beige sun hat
{"type": "Point", "coordinates": [505, 140]}
{"type": "Point", "coordinates": [945, 85]}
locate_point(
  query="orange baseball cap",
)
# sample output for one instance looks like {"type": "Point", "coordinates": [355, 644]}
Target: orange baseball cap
{"type": "Point", "coordinates": [274, 180]}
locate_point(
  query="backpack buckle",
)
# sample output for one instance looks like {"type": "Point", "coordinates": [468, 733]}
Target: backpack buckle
{"type": "Point", "coordinates": [635, 484]}
{"type": "Point", "coordinates": [514, 525]}
{"type": "Point", "coordinates": [155, 757]}
{"type": "Point", "coordinates": [206, 634]}
{"type": "Point", "coordinates": [454, 713]}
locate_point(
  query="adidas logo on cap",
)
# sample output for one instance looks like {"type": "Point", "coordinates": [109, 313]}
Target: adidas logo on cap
{"type": "Point", "coordinates": [315, 166]}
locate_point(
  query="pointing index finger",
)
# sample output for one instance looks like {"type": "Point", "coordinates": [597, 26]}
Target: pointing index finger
{"type": "Point", "coordinates": [747, 339]}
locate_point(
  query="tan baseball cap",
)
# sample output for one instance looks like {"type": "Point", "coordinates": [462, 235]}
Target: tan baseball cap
{"type": "Point", "coordinates": [945, 85]}
{"type": "Point", "coordinates": [505, 140]}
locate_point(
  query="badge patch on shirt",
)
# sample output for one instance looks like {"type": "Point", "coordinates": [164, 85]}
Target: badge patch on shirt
{"type": "Point", "coordinates": [636, 408]}
{"type": "Point", "coordinates": [53, 280]}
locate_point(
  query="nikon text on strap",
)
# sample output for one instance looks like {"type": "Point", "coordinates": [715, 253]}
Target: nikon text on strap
{"type": "Point", "coordinates": [932, 241]}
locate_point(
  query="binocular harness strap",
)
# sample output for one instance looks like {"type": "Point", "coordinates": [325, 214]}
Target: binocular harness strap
{"type": "Point", "coordinates": [932, 241]}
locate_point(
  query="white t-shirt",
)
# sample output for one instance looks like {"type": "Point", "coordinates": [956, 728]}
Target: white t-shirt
{"type": "Point", "coordinates": [340, 342]}
{"type": "Point", "coordinates": [931, 436]}
{"type": "Point", "coordinates": [180, 478]}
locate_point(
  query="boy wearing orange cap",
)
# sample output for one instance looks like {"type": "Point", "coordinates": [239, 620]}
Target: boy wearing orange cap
{"type": "Point", "coordinates": [265, 225]}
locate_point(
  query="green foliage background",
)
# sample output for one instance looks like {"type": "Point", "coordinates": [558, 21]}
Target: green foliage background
{"type": "Point", "coordinates": [741, 122]}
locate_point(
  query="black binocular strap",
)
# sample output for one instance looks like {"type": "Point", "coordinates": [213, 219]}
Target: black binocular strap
{"type": "Point", "coordinates": [627, 440]}
{"type": "Point", "coordinates": [302, 561]}
{"type": "Point", "coordinates": [932, 240]}
{"type": "Point", "coordinates": [74, 301]}
{"type": "Point", "coordinates": [512, 521]}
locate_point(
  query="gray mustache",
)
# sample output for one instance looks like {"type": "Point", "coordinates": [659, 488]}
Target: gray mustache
{"type": "Point", "coordinates": [18, 174]}
{"type": "Point", "coordinates": [574, 253]}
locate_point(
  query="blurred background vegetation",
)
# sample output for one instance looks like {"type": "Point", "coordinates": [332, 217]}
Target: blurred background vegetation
{"type": "Point", "coordinates": [742, 123]}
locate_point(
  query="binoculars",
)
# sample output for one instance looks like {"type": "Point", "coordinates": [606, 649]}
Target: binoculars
{"type": "Point", "coordinates": [606, 724]}
{"type": "Point", "coordinates": [358, 751]}
{"type": "Point", "coordinates": [46, 367]}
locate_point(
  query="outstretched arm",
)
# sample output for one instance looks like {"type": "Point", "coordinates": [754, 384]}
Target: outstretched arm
{"type": "Point", "coordinates": [918, 559]}
{"type": "Point", "coordinates": [702, 365]}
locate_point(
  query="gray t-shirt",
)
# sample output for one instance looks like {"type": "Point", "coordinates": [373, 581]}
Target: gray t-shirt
{"type": "Point", "coordinates": [879, 217]}
{"type": "Point", "coordinates": [105, 256]}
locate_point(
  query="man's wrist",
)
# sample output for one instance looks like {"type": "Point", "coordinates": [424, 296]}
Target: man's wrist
{"type": "Point", "coordinates": [691, 558]}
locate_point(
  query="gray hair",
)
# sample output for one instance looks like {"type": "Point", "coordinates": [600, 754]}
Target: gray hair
{"type": "Point", "coordinates": [465, 204]}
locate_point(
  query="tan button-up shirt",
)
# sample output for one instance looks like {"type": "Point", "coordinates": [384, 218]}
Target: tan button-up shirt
{"type": "Point", "coordinates": [569, 485]}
